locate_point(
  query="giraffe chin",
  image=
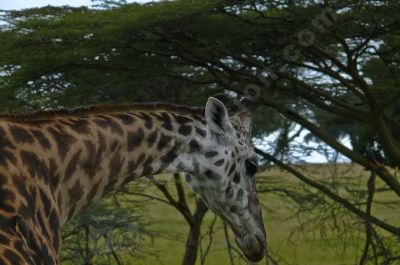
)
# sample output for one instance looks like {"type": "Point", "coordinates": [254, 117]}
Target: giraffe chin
{"type": "Point", "coordinates": [253, 246]}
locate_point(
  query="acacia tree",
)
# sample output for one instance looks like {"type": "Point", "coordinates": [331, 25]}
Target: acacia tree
{"type": "Point", "coordinates": [336, 75]}
{"type": "Point", "coordinates": [331, 68]}
{"type": "Point", "coordinates": [194, 218]}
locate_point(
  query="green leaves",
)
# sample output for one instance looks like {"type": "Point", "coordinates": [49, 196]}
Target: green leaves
{"type": "Point", "coordinates": [107, 232]}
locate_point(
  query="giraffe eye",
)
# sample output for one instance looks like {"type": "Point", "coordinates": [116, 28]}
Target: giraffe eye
{"type": "Point", "coordinates": [251, 167]}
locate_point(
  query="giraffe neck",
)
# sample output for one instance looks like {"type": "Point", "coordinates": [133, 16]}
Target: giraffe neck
{"type": "Point", "coordinates": [54, 165]}
{"type": "Point", "coordinates": [100, 154]}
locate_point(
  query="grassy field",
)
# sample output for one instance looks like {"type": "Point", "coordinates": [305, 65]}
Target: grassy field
{"type": "Point", "coordinates": [312, 230]}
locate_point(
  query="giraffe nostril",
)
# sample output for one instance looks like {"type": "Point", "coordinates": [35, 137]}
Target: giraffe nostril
{"type": "Point", "coordinates": [233, 209]}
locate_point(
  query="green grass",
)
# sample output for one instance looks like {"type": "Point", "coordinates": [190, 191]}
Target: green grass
{"type": "Point", "coordinates": [293, 238]}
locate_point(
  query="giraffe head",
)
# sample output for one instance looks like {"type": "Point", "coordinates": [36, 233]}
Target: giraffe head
{"type": "Point", "coordinates": [223, 173]}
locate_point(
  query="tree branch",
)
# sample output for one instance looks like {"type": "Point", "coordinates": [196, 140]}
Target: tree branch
{"type": "Point", "coordinates": [382, 172]}
{"type": "Point", "coordinates": [368, 227]}
{"type": "Point", "coordinates": [345, 203]}
{"type": "Point", "coordinates": [228, 245]}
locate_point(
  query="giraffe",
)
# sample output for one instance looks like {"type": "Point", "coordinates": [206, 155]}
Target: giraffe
{"type": "Point", "coordinates": [55, 164]}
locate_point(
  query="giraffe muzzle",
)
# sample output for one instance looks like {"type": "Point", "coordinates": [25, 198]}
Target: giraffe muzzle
{"type": "Point", "coordinates": [253, 246]}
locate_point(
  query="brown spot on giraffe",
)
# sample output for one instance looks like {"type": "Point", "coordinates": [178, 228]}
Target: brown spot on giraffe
{"type": "Point", "coordinates": [107, 122]}
{"type": "Point", "coordinates": [135, 139]}
{"type": "Point", "coordinates": [147, 120]}
{"type": "Point", "coordinates": [185, 130]}
{"type": "Point", "coordinates": [62, 139]}
{"type": "Point", "coordinates": [41, 138]}
{"type": "Point", "coordinates": [72, 165]}
{"type": "Point", "coordinates": [165, 120]}
{"type": "Point", "coordinates": [126, 118]}
{"type": "Point", "coordinates": [80, 126]}
{"type": "Point", "coordinates": [219, 162]}
{"type": "Point", "coordinates": [200, 132]}
{"type": "Point", "coordinates": [163, 142]}
{"type": "Point", "coordinates": [152, 138]}
{"type": "Point", "coordinates": [211, 154]}
{"type": "Point", "coordinates": [20, 134]}
{"type": "Point", "coordinates": [194, 146]}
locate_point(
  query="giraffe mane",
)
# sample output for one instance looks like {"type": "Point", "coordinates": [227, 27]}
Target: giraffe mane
{"type": "Point", "coordinates": [82, 112]}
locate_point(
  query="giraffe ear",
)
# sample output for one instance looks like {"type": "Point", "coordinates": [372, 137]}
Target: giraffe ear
{"type": "Point", "coordinates": [217, 117]}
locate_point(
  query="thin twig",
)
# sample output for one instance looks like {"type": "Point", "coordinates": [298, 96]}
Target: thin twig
{"type": "Point", "coordinates": [228, 244]}
{"type": "Point", "coordinates": [210, 236]}
{"type": "Point", "coordinates": [368, 225]}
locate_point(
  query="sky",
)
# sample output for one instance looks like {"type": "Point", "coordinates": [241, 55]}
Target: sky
{"type": "Point", "coordinates": [21, 4]}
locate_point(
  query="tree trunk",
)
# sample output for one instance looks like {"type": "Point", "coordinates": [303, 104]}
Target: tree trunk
{"type": "Point", "coordinates": [192, 242]}
{"type": "Point", "coordinates": [192, 245]}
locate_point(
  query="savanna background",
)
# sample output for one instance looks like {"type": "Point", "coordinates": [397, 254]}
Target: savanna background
{"type": "Point", "coordinates": [323, 79]}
